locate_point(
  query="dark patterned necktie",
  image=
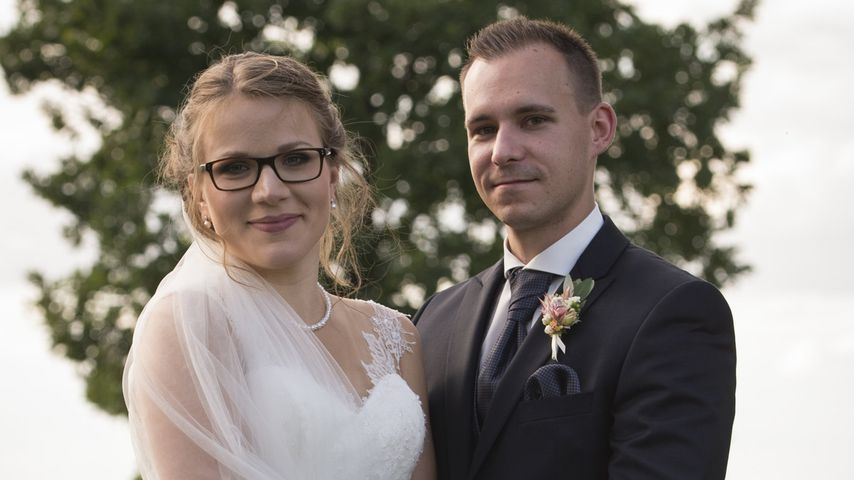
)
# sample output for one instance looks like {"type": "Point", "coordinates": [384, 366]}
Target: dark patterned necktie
{"type": "Point", "coordinates": [527, 287]}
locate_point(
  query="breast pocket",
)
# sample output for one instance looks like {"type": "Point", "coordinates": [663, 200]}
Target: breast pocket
{"type": "Point", "coordinates": [554, 408]}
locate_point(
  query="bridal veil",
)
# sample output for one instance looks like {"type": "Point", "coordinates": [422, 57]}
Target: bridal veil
{"type": "Point", "coordinates": [204, 349]}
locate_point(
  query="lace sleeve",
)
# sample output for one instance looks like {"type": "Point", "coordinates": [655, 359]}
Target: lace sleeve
{"type": "Point", "coordinates": [388, 342]}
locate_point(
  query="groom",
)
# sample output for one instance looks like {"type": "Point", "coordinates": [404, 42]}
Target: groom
{"type": "Point", "coordinates": [645, 387]}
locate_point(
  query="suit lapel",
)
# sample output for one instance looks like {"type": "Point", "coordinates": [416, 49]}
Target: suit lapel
{"type": "Point", "coordinates": [469, 326]}
{"type": "Point", "coordinates": [602, 252]}
{"type": "Point", "coordinates": [595, 263]}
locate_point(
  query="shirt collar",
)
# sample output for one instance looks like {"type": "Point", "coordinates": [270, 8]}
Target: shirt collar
{"type": "Point", "coordinates": [560, 257]}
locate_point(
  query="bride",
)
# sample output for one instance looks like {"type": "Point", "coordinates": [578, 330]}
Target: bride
{"type": "Point", "coordinates": [242, 365]}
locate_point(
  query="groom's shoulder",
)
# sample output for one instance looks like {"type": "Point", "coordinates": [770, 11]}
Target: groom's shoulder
{"type": "Point", "coordinates": [645, 263]}
{"type": "Point", "coordinates": [642, 269]}
{"type": "Point", "coordinates": [643, 282]}
{"type": "Point", "coordinates": [453, 293]}
{"type": "Point", "coordinates": [477, 281]}
{"type": "Point", "coordinates": [453, 296]}
{"type": "Point", "coordinates": [613, 254]}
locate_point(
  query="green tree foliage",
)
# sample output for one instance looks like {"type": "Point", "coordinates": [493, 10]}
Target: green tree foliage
{"type": "Point", "coordinates": [667, 180]}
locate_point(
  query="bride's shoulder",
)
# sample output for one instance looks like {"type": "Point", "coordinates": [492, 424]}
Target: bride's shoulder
{"type": "Point", "coordinates": [370, 307]}
{"type": "Point", "coordinates": [372, 312]}
{"type": "Point", "coordinates": [156, 334]}
{"type": "Point", "coordinates": [170, 312]}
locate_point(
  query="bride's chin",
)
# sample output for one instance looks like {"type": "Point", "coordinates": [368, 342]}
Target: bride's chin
{"type": "Point", "coordinates": [278, 257]}
{"type": "Point", "coordinates": [279, 262]}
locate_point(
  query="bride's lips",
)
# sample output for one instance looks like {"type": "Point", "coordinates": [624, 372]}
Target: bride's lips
{"type": "Point", "coordinates": [274, 223]}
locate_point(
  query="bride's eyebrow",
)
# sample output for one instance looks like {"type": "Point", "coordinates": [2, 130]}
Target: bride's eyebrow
{"type": "Point", "coordinates": [284, 148]}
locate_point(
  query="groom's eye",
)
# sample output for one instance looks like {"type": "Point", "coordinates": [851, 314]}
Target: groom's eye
{"type": "Point", "coordinates": [484, 130]}
{"type": "Point", "coordinates": [534, 120]}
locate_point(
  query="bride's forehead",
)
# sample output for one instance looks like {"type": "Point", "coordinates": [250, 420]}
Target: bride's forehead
{"type": "Point", "coordinates": [257, 125]}
{"type": "Point", "coordinates": [243, 113]}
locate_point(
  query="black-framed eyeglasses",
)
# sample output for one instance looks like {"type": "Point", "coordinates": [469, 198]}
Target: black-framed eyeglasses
{"type": "Point", "coordinates": [295, 166]}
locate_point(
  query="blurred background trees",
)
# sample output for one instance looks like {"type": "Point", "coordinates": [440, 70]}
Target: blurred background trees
{"type": "Point", "coordinates": [668, 181]}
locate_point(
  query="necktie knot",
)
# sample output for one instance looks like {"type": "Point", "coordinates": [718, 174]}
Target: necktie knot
{"type": "Point", "coordinates": [527, 287]}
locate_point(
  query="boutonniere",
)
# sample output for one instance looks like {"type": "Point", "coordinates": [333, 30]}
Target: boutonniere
{"type": "Point", "coordinates": [562, 311]}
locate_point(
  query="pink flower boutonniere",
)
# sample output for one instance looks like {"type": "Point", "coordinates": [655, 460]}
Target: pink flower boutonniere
{"type": "Point", "coordinates": [561, 312]}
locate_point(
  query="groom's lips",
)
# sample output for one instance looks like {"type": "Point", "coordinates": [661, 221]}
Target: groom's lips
{"type": "Point", "coordinates": [511, 182]}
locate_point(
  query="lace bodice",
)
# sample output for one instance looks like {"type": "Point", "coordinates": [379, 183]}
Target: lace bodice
{"type": "Point", "coordinates": [381, 439]}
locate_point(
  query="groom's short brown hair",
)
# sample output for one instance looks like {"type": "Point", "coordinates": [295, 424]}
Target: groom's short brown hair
{"type": "Point", "coordinates": [506, 36]}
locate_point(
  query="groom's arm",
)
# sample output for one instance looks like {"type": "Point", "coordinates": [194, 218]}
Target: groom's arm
{"type": "Point", "coordinates": [675, 400]}
{"type": "Point", "coordinates": [421, 309]}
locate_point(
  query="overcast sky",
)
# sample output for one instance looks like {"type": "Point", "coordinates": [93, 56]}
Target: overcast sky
{"type": "Point", "coordinates": [793, 313]}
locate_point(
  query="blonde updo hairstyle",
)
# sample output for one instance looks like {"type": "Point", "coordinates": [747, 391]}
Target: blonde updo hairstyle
{"type": "Point", "coordinates": [262, 75]}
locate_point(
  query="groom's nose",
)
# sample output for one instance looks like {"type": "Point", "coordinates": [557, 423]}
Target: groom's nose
{"type": "Point", "coordinates": [508, 146]}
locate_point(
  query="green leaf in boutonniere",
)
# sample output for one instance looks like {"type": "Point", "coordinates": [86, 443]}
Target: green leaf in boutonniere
{"type": "Point", "coordinates": [562, 311]}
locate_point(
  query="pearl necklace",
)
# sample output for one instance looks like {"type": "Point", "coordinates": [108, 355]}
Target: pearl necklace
{"type": "Point", "coordinates": [325, 318]}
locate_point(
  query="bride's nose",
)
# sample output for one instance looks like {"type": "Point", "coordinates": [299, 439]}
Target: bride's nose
{"type": "Point", "coordinates": [269, 188]}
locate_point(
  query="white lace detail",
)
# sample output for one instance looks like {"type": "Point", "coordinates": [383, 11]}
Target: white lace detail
{"type": "Point", "coordinates": [386, 439]}
{"type": "Point", "coordinates": [261, 398]}
{"type": "Point", "coordinates": [387, 343]}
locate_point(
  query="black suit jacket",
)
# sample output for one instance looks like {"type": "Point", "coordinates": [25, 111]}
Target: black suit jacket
{"type": "Point", "coordinates": [655, 354]}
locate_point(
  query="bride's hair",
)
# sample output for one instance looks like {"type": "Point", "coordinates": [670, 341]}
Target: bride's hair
{"type": "Point", "coordinates": [262, 75]}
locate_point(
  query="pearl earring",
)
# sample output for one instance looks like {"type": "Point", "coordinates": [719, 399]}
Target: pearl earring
{"type": "Point", "coordinates": [333, 204]}
{"type": "Point", "coordinates": [207, 223]}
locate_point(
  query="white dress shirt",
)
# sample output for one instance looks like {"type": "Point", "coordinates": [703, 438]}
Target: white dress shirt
{"type": "Point", "coordinates": [558, 258]}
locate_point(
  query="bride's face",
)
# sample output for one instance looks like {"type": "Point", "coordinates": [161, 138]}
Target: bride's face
{"type": "Point", "coordinates": [273, 225]}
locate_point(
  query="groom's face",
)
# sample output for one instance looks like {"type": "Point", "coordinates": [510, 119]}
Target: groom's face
{"type": "Point", "coordinates": [531, 149]}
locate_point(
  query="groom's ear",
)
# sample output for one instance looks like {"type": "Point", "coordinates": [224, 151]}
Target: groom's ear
{"type": "Point", "coordinates": [603, 126]}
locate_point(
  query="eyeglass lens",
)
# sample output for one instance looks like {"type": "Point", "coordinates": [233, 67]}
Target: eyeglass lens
{"type": "Point", "coordinates": [294, 166]}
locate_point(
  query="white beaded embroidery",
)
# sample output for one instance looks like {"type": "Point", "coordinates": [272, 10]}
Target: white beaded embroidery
{"type": "Point", "coordinates": [387, 343]}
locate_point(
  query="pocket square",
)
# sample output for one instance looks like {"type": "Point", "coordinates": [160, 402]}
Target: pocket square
{"type": "Point", "coordinates": [552, 380]}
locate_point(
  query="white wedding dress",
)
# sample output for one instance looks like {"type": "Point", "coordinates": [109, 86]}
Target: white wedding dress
{"type": "Point", "coordinates": [224, 381]}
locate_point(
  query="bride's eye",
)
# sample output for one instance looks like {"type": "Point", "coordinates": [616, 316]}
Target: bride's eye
{"type": "Point", "coordinates": [233, 167]}
{"type": "Point", "coordinates": [294, 159]}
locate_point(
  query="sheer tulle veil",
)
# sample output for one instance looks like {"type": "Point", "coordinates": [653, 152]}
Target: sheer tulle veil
{"type": "Point", "coordinates": [195, 377]}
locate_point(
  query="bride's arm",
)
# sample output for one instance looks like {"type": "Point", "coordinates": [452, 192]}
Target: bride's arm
{"type": "Point", "coordinates": [161, 393]}
{"type": "Point", "coordinates": [412, 370]}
